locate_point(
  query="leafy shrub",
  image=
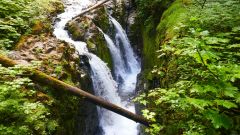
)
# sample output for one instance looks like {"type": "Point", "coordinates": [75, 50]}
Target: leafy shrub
{"type": "Point", "coordinates": [198, 71]}
{"type": "Point", "coordinates": [220, 15]}
{"type": "Point", "coordinates": [20, 113]}
{"type": "Point", "coordinates": [18, 16]}
{"type": "Point", "coordinates": [199, 91]}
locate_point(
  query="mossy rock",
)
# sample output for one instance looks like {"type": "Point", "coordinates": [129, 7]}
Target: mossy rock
{"type": "Point", "coordinates": [101, 20]}
{"type": "Point", "coordinates": [91, 46]}
{"type": "Point", "coordinates": [155, 35]}
{"type": "Point", "coordinates": [173, 17]}
{"type": "Point", "coordinates": [75, 30]}
{"type": "Point", "coordinates": [97, 45]}
{"type": "Point", "coordinates": [58, 8]}
{"type": "Point", "coordinates": [86, 29]}
{"type": "Point", "coordinates": [149, 50]}
{"type": "Point", "coordinates": [120, 12]}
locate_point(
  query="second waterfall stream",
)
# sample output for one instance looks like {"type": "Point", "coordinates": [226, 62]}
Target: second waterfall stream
{"type": "Point", "coordinates": [125, 64]}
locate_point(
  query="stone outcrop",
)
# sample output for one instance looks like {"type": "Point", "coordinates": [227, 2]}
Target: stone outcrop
{"type": "Point", "coordinates": [86, 28]}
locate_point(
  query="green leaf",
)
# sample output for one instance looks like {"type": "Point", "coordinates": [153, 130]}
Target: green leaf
{"type": "Point", "coordinates": [236, 29]}
{"type": "Point", "coordinates": [199, 103]}
{"type": "Point", "coordinates": [218, 120]}
{"type": "Point", "coordinates": [226, 104]}
{"type": "Point", "coordinates": [238, 98]}
{"type": "Point", "coordinates": [144, 102]}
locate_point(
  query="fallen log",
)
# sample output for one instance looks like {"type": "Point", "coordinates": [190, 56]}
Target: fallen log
{"type": "Point", "coordinates": [40, 77]}
{"type": "Point", "coordinates": [91, 8]}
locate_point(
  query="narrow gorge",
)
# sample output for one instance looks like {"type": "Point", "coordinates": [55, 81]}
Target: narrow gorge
{"type": "Point", "coordinates": [117, 87]}
{"type": "Point", "coordinates": [119, 67]}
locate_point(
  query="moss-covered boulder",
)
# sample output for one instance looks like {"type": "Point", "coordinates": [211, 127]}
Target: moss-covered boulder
{"type": "Point", "coordinates": [120, 12]}
{"type": "Point", "coordinates": [86, 28]}
{"type": "Point", "coordinates": [100, 19]}
{"type": "Point", "coordinates": [79, 28]}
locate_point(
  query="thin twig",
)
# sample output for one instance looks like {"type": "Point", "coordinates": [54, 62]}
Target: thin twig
{"type": "Point", "coordinates": [205, 64]}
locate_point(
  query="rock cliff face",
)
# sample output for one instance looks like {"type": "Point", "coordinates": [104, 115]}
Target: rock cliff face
{"type": "Point", "coordinates": [142, 35]}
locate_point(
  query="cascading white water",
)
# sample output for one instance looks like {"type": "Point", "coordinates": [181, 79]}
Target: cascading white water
{"type": "Point", "coordinates": [120, 56]}
{"type": "Point", "coordinates": [118, 61]}
{"type": "Point", "coordinates": [104, 85]}
{"type": "Point", "coordinates": [130, 77]}
{"type": "Point", "coordinates": [121, 37]}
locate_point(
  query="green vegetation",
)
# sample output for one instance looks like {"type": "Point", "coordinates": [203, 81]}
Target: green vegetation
{"type": "Point", "coordinates": [21, 112]}
{"type": "Point", "coordinates": [30, 108]}
{"type": "Point", "coordinates": [198, 70]}
{"type": "Point", "coordinates": [150, 11]}
{"type": "Point", "coordinates": [27, 108]}
{"type": "Point", "coordinates": [17, 17]}
{"type": "Point", "coordinates": [191, 64]}
{"type": "Point", "coordinates": [149, 14]}
{"type": "Point", "coordinates": [149, 58]}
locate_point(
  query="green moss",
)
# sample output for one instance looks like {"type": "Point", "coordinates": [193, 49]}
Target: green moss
{"type": "Point", "coordinates": [167, 28]}
{"type": "Point", "coordinates": [172, 18]}
{"type": "Point", "coordinates": [149, 50]}
{"type": "Point", "coordinates": [101, 20]}
{"type": "Point", "coordinates": [91, 45]}
{"type": "Point", "coordinates": [101, 49]}
{"type": "Point", "coordinates": [75, 30]}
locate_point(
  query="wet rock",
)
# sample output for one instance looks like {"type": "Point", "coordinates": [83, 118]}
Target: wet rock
{"type": "Point", "coordinates": [61, 48]}
{"type": "Point", "coordinates": [80, 28]}
{"type": "Point", "coordinates": [15, 55]}
{"type": "Point", "coordinates": [50, 49]}
{"type": "Point", "coordinates": [85, 28]}
{"type": "Point", "coordinates": [22, 62]}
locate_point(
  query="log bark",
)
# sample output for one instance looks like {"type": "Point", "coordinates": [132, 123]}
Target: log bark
{"type": "Point", "coordinates": [40, 77]}
{"type": "Point", "coordinates": [91, 8]}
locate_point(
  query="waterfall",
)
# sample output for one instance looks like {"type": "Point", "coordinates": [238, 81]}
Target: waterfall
{"type": "Point", "coordinates": [121, 38]}
{"type": "Point", "coordinates": [103, 82]}
{"type": "Point", "coordinates": [133, 67]}
{"type": "Point", "coordinates": [118, 61]}
{"type": "Point", "coordinates": [127, 67]}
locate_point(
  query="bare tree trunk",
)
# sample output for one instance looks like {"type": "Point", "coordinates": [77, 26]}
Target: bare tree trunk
{"type": "Point", "coordinates": [40, 77]}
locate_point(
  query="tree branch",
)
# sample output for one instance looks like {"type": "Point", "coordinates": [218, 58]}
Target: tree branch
{"type": "Point", "coordinates": [40, 77]}
{"type": "Point", "coordinates": [91, 8]}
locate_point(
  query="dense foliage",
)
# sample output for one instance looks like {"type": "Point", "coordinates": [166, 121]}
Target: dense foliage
{"type": "Point", "coordinates": [23, 110]}
{"type": "Point", "coordinates": [198, 70]}
{"type": "Point", "coordinates": [17, 17]}
{"type": "Point", "coordinates": [21, 113]}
